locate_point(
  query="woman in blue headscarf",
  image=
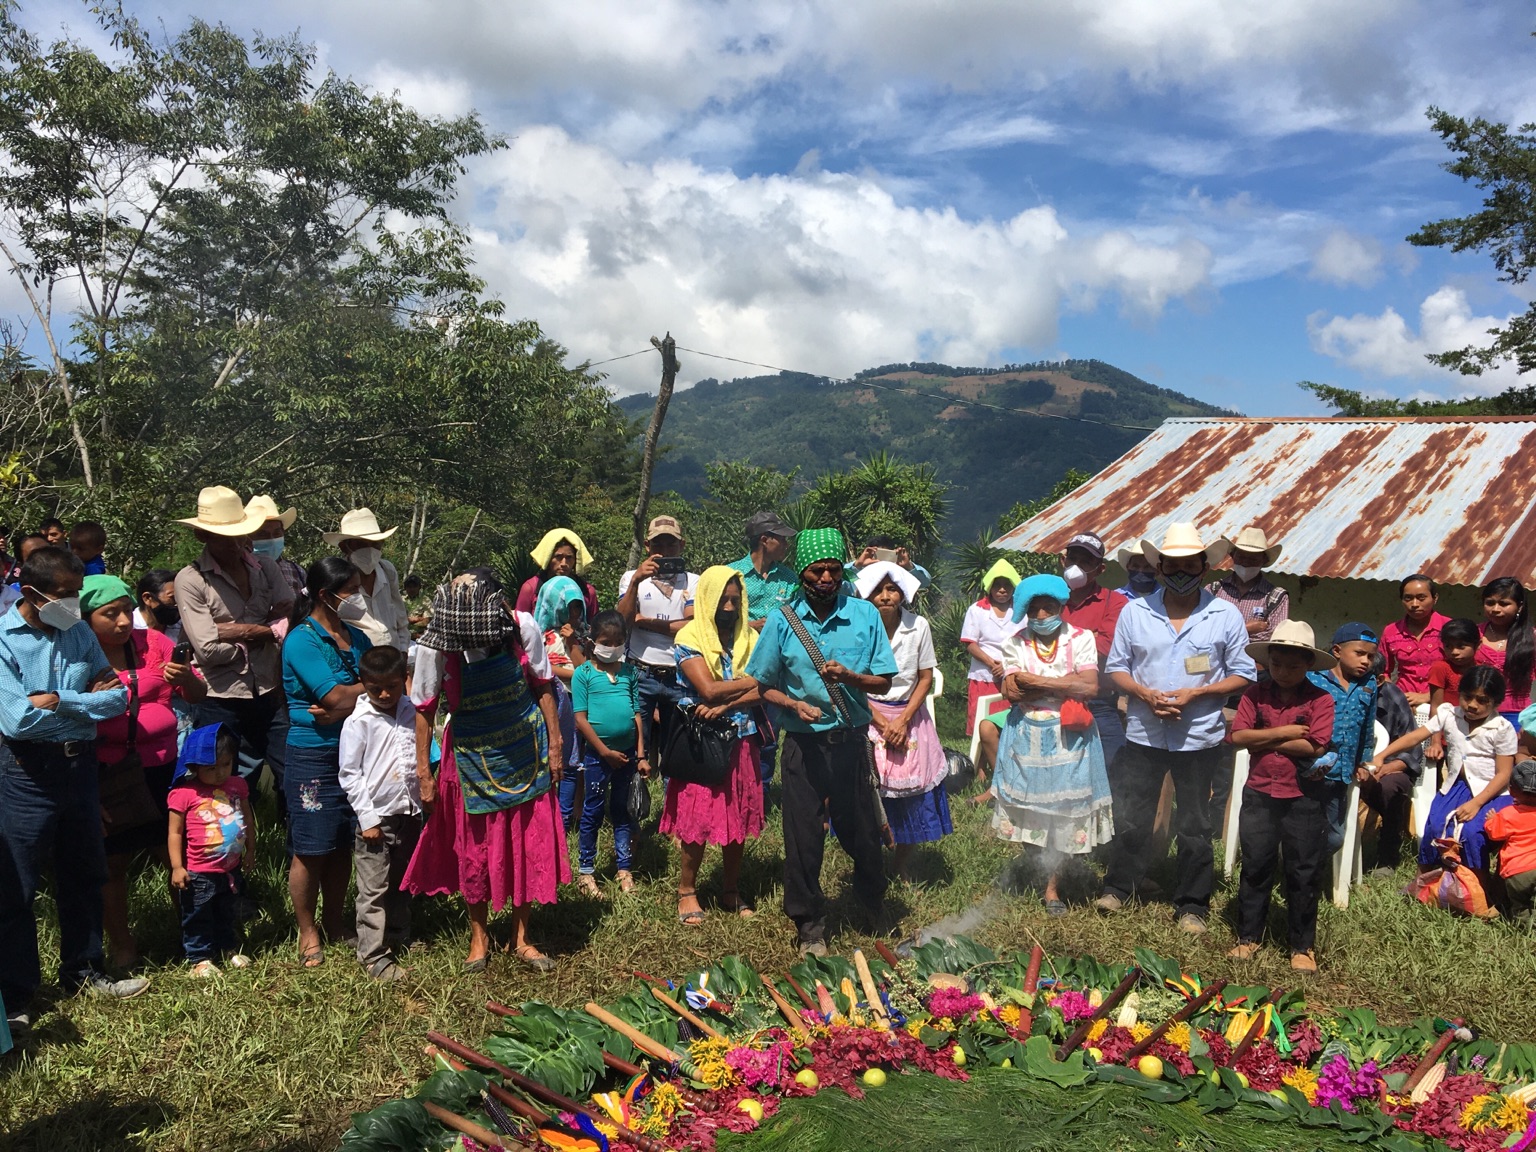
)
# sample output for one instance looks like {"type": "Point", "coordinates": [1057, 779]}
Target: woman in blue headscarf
{"type": "Point", "coordinates": [561, 613]}
{"type": "Point", "coordinates": [1051, 787]}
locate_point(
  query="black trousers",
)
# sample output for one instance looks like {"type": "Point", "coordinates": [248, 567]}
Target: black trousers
{"type": "Point", "coordinates": [820, 777]}
{"type": "Point", "coordinates": [1267, 830]}
{"type": "Point", "coordinates": [263, 727]}
{"type": "Point", "coordinates": [1390, 795]}
{"type": "Point", "coordinates": [1140, 771]}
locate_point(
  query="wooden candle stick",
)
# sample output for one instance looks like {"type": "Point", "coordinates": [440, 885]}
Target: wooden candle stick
{"type": "Point", "coordinates": [685, 1014]}
{"type": "Point", "coordinates": [786, 1009]}
{"type": "Point", "coordinates": [1110, 1003]}
{"type": "Point", "coordinates": [1181, 1015]}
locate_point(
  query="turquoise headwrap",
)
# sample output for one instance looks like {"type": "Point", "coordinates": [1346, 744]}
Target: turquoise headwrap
{"type": "Point", "coordinates": [553, 605]}
{"type": "Point", "coordinates": [1042, 585]}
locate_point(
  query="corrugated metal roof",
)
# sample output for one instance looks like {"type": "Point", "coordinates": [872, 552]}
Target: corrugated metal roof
{"type": "Point", "coordinates": [1370, 499]}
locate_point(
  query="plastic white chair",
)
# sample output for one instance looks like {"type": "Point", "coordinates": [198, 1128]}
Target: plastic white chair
{"type": "Point", "coordinates": [938, 685]}
{"type": "Point", "coordinates": [981, 710]}
{"type": "Point", "coordinates": [1349, 860]}
{"type": "Point", "coordinates": [1234, 806]}
{"type": "Point", "coordinates": [1429, 780]}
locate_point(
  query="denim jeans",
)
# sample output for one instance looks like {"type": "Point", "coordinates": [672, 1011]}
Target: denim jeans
{"type": "Point", "coordinates": [607, 789]}
{"type": "Point", "coordinates": [659, 694]}
{"type": "Point", "coordinates": [1334, 793]}
{"type": "Point", "coordinates": [208, 914]}
{"type": "Point", "coordinates": [50, 817]}
{"type": "Point", "coordinates": [262, 724]}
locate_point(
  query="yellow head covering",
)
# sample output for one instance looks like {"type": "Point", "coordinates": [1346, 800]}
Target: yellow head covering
{"type": "Point", "coordinates": [700, 633]}
{"type": "Point", "coordinates": [546, 548]}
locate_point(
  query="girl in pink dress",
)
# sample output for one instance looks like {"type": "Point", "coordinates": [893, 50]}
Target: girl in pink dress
{"type": "Point", "coordinates": [494, 834]}
{"type": "Point", "coordinates": [710, 647]}
{"type": "Point", "coordinates": [1508, 643]}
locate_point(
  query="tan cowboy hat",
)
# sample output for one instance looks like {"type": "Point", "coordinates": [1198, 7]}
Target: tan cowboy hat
{"type": "Point", "coordinates": [219, 511]}
{"type": "Point", "coordinates": [266, 507]}
{"type": "Point", "coordinates": [1125, 553]}
{"type": "Point", "coordinates": [358, 524]}
{"type": "Point", "coordinates": [1183, 539]}
{"type": "Point", "coordinates": [1292, 636]}
{"type": "Point", "coordinates": [1252, 539]}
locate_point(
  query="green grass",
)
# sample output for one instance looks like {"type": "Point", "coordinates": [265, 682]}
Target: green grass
{"type": "Point", "coordinates": [276, 1057]}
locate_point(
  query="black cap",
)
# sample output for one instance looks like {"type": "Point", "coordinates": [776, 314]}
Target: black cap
{"type": "Point", "coordinates": [1088, 542]}
{"type": "Point", "coordinates": [768, 524]}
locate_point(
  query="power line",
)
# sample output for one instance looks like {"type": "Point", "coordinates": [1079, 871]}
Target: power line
{"type": "Point", "coordinates": [626, 356]}
{"type": "Point", "coordinates": [866, 382]}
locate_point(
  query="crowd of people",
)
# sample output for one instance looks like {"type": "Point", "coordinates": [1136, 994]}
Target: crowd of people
{"type": "Point", "coordinates": [448, 742]}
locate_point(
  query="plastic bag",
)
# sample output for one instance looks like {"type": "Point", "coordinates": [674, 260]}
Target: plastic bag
{"type": "Point", "coordinates": [1452, 886]}
{"type": "Point", "coordinates": [961, 772]}
{"type": "Point", "coordinates": [639, 800]}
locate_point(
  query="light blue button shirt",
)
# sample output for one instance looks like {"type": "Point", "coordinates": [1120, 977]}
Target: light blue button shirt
{"type": "Point", "coordinates": [34, 660]}
{"type": "Point", "coordinates": [1147, 648]}
{"type": "Point", "coordinates": [853, 635]}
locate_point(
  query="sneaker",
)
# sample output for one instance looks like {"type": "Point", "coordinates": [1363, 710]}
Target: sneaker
{"type": "Point", "coordinates": [18, 1021]}
{"type": "Point", "coordinates": [1193, 923]}
{"type": "Point", "coordinates": [1246, 950]}
{"type": "Point", "coordinates": [812, 948]}
{"type": "Point", "coordinates": [99, 985]}
{"type": "Point", "coordinates": [1304, 962]}
{"type": "Point", "coordinates": [387, 972]}
{"type": "Point", "coordinates": [1109, 903]}
{"type": "Point", "coordinates": [205, 969]}
{"type": "Point", "coordinates": [238, 960]}
{"type": "Point", "coordinates": [1382, 873]}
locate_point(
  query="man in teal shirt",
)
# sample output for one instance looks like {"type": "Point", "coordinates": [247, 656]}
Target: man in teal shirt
{"type": "Point", "coordinates": [765, 578]}
{"type": "Point", "coordinates": [825, 720]}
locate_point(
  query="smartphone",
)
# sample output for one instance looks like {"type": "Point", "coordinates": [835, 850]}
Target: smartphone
{"type": "Point", "coordinates": [182, 653]}
{"type": "Point", "coordinates": [889, 555]}
{"type": "Point", "coordinates": [671, 566]}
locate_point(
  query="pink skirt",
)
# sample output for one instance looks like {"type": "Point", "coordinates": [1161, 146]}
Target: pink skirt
{"type": "Point", "coordinates": [728, 814]}
{"type": "Point", "coordinates": [513, 856]}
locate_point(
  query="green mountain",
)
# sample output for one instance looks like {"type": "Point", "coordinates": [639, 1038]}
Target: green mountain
{"type": "Point", "coordinates": [995, 436]}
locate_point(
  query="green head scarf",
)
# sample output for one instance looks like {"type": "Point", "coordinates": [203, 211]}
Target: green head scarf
{"type": "Point", "coordinates": [99, 590]}
{"type": "Point", "coordinates": [819, 544]}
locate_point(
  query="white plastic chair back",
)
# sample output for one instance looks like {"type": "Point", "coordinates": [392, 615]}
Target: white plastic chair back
{"type": "Point", "coordinates": [938, 684]}
{"type": "Point", "coordinates": [1234, 806]}
{"type": "Point", "coordinates": [982, 705]}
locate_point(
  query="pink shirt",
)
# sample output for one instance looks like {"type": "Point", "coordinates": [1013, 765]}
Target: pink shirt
{"type": "Point", "coordinates": [1517, 697]}
{"type": "Point", "coordinates": [1409, 658]}
{"type": "Point", "coordinates": [215, 831]}
{"type": "Point", "coordinates": [156, 728]}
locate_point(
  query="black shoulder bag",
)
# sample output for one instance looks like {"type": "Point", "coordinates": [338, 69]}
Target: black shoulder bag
{"type": "Point", "coordinates": [698, 750]}
{"type": "Point", "coordinates": [123, 793]}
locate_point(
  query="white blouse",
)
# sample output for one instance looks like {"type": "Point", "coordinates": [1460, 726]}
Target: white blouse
{"type": "Point", "coordinates": [913, 646]}
{"type": "Point", "coordinates": [1470, 751]}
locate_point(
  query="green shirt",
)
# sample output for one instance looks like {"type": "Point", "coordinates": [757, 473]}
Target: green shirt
{"type": "Point", "coordinates": [766, 593]}
{"type": "Point", "coordinates": [611, 705]}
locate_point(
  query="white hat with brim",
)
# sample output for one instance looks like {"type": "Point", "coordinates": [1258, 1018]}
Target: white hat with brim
{"type": "Point", "coordinates": [1183, 539]}
{"type": "Point", "coordinates": [1254, 540]}
{"type": "Point", "coordinates": [266, 507]}
{"type": "Point", "coordinates": [220, 511]}
{"type": "Point", "coordinates": [358, 524]}
{"type": "Point", "coordinates": [1292, 636]}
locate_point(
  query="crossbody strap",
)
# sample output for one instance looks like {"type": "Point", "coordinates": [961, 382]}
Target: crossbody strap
{"type": "Point", "coordinates": [819, 662]}
{"type": "Point", "coordinates": [133, 696]}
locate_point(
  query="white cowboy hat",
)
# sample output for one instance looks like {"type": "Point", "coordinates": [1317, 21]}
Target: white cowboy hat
{"type": "Point", "coordinates": [1252, 539]}
{"type": "Point", "coordinates": [1183, 539]}
{"type": "Point", "coordinates": [1123, 554]}
{"type": "Point", "coordinates": [266, 507]}
{"type": "Point", "coordinates": [358, 524]}
{"type": "Point", "coordinates": [1292, 636]}
{"type": "Point", "coordinates": [219, 511]}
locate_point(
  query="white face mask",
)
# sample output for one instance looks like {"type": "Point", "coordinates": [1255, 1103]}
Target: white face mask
{"type": "Point", "coordinates": [1246, 574]}
{"type": "Point", "coordinates": [353, 607]}
{"type": "Point", "coordinates": [365, 560]}
{"type": "Point", "coordinates": [63, 613]}
{"type": "Point", "coordinates": [608, 653]}
{"type": "Point", "coordinates": [1075, 577]}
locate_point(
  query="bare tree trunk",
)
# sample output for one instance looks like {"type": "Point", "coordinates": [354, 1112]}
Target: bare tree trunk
{"type": "Point", "coordinates": [454, 563]}
{"type": "Point", "coordinates": [668, 349]}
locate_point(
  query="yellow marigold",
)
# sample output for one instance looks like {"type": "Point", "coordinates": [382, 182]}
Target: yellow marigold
{"type": "Point", "coordinates": [665, 1100]}
{"type": "Point", "coordinates": [1512, 1116]}
{"type": "Point", "coordinates": [1476, 1116]}
{"type": "Point", "coordinates": [1140, 1032]}
{"type": "Point", "coordinates": [709, 1048]}
{"type": "Point", "coordinates": [1010, 1015]}
{"type": "Point", "coordinates": [1100, 1027]}
{"type": "Point", "coordinates": [1304, 1080]}
{"type": "Point", "coordinates": [1178, 1036]}
{"type": "Point", "coordinates": [654, 1125]}
{"type": "Point", "coordinates": [708, 1057]}
{"type": "Point", "coordinates": [944, 1024]}
{"type": "Point", "coordinates": [915, 1028]}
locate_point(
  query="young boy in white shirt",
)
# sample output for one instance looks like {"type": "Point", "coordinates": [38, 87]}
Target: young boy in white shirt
{"type": "Point", "coordinates": [378, 774]}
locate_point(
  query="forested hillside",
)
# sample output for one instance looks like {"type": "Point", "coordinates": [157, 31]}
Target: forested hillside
{"type": "Point", "coordinates": [994, 436]}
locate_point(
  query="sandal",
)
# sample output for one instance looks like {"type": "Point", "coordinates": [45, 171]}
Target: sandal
{"type": "Point", "coordinates": [626, 881]}
{"type": "Point", "coordinates": [587, 884]}
{"type": "Point", "coordinates": [471, 967]}
{"type": "Point", "coordinates": [312, 957]}
{"type": "Point", "coordinates": [535, 959]}
{"type": "Point", "coordinates": [204, 969]}
{"type": "Point", "coordinates": [694, 919]}
{"type": "Point", "coordinates": [1055, 907]}
{"type": "Point", "coordinates": [737, 905]}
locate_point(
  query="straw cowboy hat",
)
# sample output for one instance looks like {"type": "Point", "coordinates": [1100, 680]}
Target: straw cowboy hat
{"type": "Point", "coordinates": [1183, 539]}
{"type": "Point", "coordinates": [266, 507]}
{"type": "Point", "coordinates": [1252, 539]}
{"type": "Point", "coordinates": [358, 524]}
{"type": "Point", "coordinates": [219, 511]}
{"type": "Point", "coordinates": [1292, 636]}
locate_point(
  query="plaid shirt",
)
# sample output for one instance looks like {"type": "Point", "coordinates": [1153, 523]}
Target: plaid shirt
{"type": "Point", "coordinates": [1263, 601]}
{"type": "Point", "coordinates": [765, 593]}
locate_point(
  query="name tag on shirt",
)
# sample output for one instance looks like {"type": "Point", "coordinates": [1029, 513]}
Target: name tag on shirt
{"type": "Point", "coordinates": [1198, 665]}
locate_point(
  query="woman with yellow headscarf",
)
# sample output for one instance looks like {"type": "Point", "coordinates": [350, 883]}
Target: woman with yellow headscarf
{"type": "Point", "coordinates": [712, 651]}
{"type": "Point", "coordinates": [559, 552]}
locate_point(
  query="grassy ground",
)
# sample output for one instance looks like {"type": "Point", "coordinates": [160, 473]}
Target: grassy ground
{"type": "Point", "coordinates": [276, 1057]}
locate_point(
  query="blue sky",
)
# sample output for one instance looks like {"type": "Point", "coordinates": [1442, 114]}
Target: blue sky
{"type": "Point", "coordinates": [1212, 194]}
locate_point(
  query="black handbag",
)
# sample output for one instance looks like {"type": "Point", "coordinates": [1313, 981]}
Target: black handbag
{"type": "Point", "coordinates": [698, 750]}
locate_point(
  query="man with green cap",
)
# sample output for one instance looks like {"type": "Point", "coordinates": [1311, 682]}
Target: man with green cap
{"type": "Point", "coordinates": [825, 717]}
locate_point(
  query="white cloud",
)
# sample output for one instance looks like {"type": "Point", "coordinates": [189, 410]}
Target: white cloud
{"type": "Point", "coordinates": [817, 271]}
{"type": "Point", "coordinates": [1385, 346]}
{"type": "Point", "coordinates": [1344, 259]}
{"type": "Point", "coordinates": [431, 94]}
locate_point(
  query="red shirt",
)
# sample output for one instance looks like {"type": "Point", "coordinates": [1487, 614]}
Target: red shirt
{"type": "Point", "coordinates": [1442, 675]}
{"type": "Point", "coordinates": [1514, 828]}
{"type": "Point", "coordinates": [1271, 772]}
{"type": "Point", "coordinates": [1098, 612]}
{"type": "Point", "coordinates": [1408, 658]}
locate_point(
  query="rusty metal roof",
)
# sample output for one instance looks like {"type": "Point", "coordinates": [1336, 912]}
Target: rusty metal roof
{"type": "Point", "coordinates": [1368, 499]}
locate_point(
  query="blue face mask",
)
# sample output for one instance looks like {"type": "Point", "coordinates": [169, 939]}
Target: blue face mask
{"type": "Point", "coordinates": [271, 549]}
{"type": "Point", "coordinates": [1142, 582]}
{"type": "Point", "coordinates": [1047, 626]}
